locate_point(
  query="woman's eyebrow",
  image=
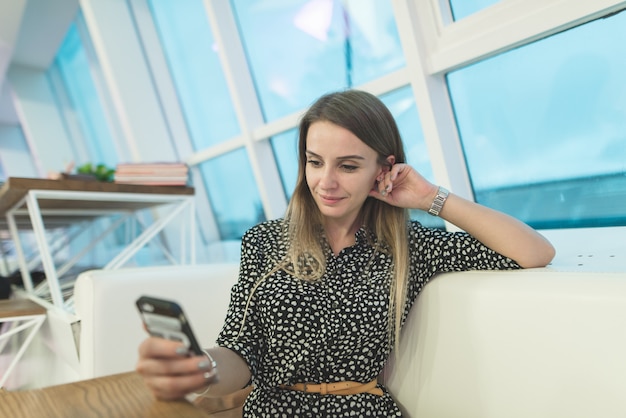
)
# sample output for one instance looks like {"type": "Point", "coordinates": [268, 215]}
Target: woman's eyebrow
{"type": "Point", "coordinates": [343, 157]}
{"type": "Point", "coordinates": [351, 157]}
{"type": "Point", "coordinates": [312, 154]}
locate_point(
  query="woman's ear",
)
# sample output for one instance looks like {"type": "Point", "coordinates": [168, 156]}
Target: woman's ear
{"type": "Point", "coordinates": [386, 167]}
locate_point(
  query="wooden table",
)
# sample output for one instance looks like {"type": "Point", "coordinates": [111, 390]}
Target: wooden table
{"type": "Point", "coordinates": [16, 188]}
{"type": "Point", "coordinates": [122, 395]}
{"type": "Point", "coordinates": [41, 204]}
{"type": "Point", "coordinates": [10, 308]}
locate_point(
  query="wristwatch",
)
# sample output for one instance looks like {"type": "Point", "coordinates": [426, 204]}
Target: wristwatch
{"type": "Point", "coordinates": [440, 199]}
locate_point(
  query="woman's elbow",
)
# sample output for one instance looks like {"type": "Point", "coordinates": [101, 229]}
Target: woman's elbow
{"type": "Point", "coordinates": [540, 256]}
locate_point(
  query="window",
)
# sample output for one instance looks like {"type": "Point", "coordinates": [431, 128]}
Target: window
{"type": "Point", "coordinates": [544, 127]}
{"type": "Point", "coordinates": [233, 193]}
{"type": "Point", "coordinates": [464, 8]}
{"type": "Point", "coordinates": [194, 64]}
{"type": "Point", "coordinates": [540, 125]}
{"type": "Point", "coordinates": [325, 45]}
{"type": "Point", "coordinates": [285, 147]}
{"type": "Point", "coordinates": [79, 101]}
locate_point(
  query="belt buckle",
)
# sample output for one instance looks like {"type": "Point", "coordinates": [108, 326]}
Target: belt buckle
{"type": "Point", "coordinates": [305, 387]}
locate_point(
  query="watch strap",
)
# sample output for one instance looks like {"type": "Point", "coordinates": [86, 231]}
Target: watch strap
{"type": "Point", "coordinates": [440, 199]}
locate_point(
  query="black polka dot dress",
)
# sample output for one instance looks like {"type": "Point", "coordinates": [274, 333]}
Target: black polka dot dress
{"type": "Point", "coordinates": [334, 329]}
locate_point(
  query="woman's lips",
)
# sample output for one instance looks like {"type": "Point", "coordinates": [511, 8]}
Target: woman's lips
{"type": "Point", "coordinates": [329, 199]}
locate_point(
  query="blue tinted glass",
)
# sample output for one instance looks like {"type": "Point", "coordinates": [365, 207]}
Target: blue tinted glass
{"type": "Point", "coordinates": [464, 8]}
{"type": "Point", "coordinates": [549, 119]}
{"type": "Point", "coordinates": [325, 45]}
{"type": "Point", "coordinates": [73, 65]}
{"type": "Point", "coordinates": [194, 64]}
{"type": "Point", "coordinates": [285, 147]}
{"type": "Point", "coordinates": [232, 193]}
{"type": "Point", "coordinates": [401, 103]}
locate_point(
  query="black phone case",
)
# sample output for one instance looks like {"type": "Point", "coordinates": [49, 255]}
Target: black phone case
{"type": "Point", "coordinates": [166, 319]}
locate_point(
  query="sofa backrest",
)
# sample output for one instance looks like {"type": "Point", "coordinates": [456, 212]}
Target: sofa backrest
{"type": "Point", "coordinates": [110, 326]}
{"type": "Point", "coordinates": [532, 343]}
{"type": "Point", "coordinates": [517, 344]}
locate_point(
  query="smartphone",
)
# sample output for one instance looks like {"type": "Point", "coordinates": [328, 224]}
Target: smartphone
{"type": "Point", "coordinates": [166, 319]}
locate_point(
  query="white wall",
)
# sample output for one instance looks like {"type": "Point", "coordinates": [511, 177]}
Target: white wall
{"type": "Point", "coordinates": [15, 157]}
{"type": "Point", "coordinates": [40, 119]}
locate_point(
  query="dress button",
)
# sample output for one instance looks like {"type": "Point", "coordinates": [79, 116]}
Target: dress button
{"type": "Point", "coordinates": [335, 305]}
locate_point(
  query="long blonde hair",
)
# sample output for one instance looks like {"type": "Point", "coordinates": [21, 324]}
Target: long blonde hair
{"type": "Point", "coordinates": [368, 118]}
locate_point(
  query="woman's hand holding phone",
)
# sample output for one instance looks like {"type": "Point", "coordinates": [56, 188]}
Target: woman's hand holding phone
{"type": "Point", "coordinates": [171, 361]}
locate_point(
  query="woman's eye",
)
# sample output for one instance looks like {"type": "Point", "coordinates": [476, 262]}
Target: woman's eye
{"type": "Point", "coordinates": [314, 163]}
{"type": "Point", "coordinates": [349, 168]}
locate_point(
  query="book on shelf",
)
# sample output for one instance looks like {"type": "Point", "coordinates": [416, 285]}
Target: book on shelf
{"type": "Point", "coordinates": [151, 168]}
{"type": "Point", "coordinates": [155, 174]}
{"type": "Point", "coordinates": [153, 182]}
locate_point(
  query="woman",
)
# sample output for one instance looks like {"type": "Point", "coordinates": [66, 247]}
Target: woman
{"type": "Point", "coordinates": [323, 293]}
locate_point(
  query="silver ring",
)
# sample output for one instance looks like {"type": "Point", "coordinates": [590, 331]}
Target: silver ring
{"type": "Point", "coordinates": [213, 362]}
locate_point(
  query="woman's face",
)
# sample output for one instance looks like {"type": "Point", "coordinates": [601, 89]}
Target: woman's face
{"type": "Point", "coordinates": [340, 171]}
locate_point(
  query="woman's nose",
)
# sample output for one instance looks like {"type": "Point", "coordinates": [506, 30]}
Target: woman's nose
{"type": "Point", "coordinates": [328, 180]}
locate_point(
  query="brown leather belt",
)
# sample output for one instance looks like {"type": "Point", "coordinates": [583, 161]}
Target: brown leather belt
{"type": "Point", "coordinates": [337, 388]}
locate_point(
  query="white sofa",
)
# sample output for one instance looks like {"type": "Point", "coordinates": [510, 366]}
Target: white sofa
{"type": "Point", "coordinates": [110, 326]}
{"type": "Point", "coordinates": [516, 344]}
{"type": "Point", "coordinates": [534, 343]}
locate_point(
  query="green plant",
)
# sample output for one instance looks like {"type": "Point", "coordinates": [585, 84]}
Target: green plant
{"type": "Point", "coordinates": [100, 171]}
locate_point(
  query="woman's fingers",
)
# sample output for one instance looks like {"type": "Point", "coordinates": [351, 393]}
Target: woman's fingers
{"type": "Point", "coordinates": [175, 379]}
{"type": "Point", "coordinates": [154, 347]}
{"type": "Point", "coordinates": [385, 184]}
{"type": "Point", "coordinates": [404, 187]}
{"type": "Point", "coordinates": [175, 387]}
{"type": "Point", "coordinates": [168, 370]}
